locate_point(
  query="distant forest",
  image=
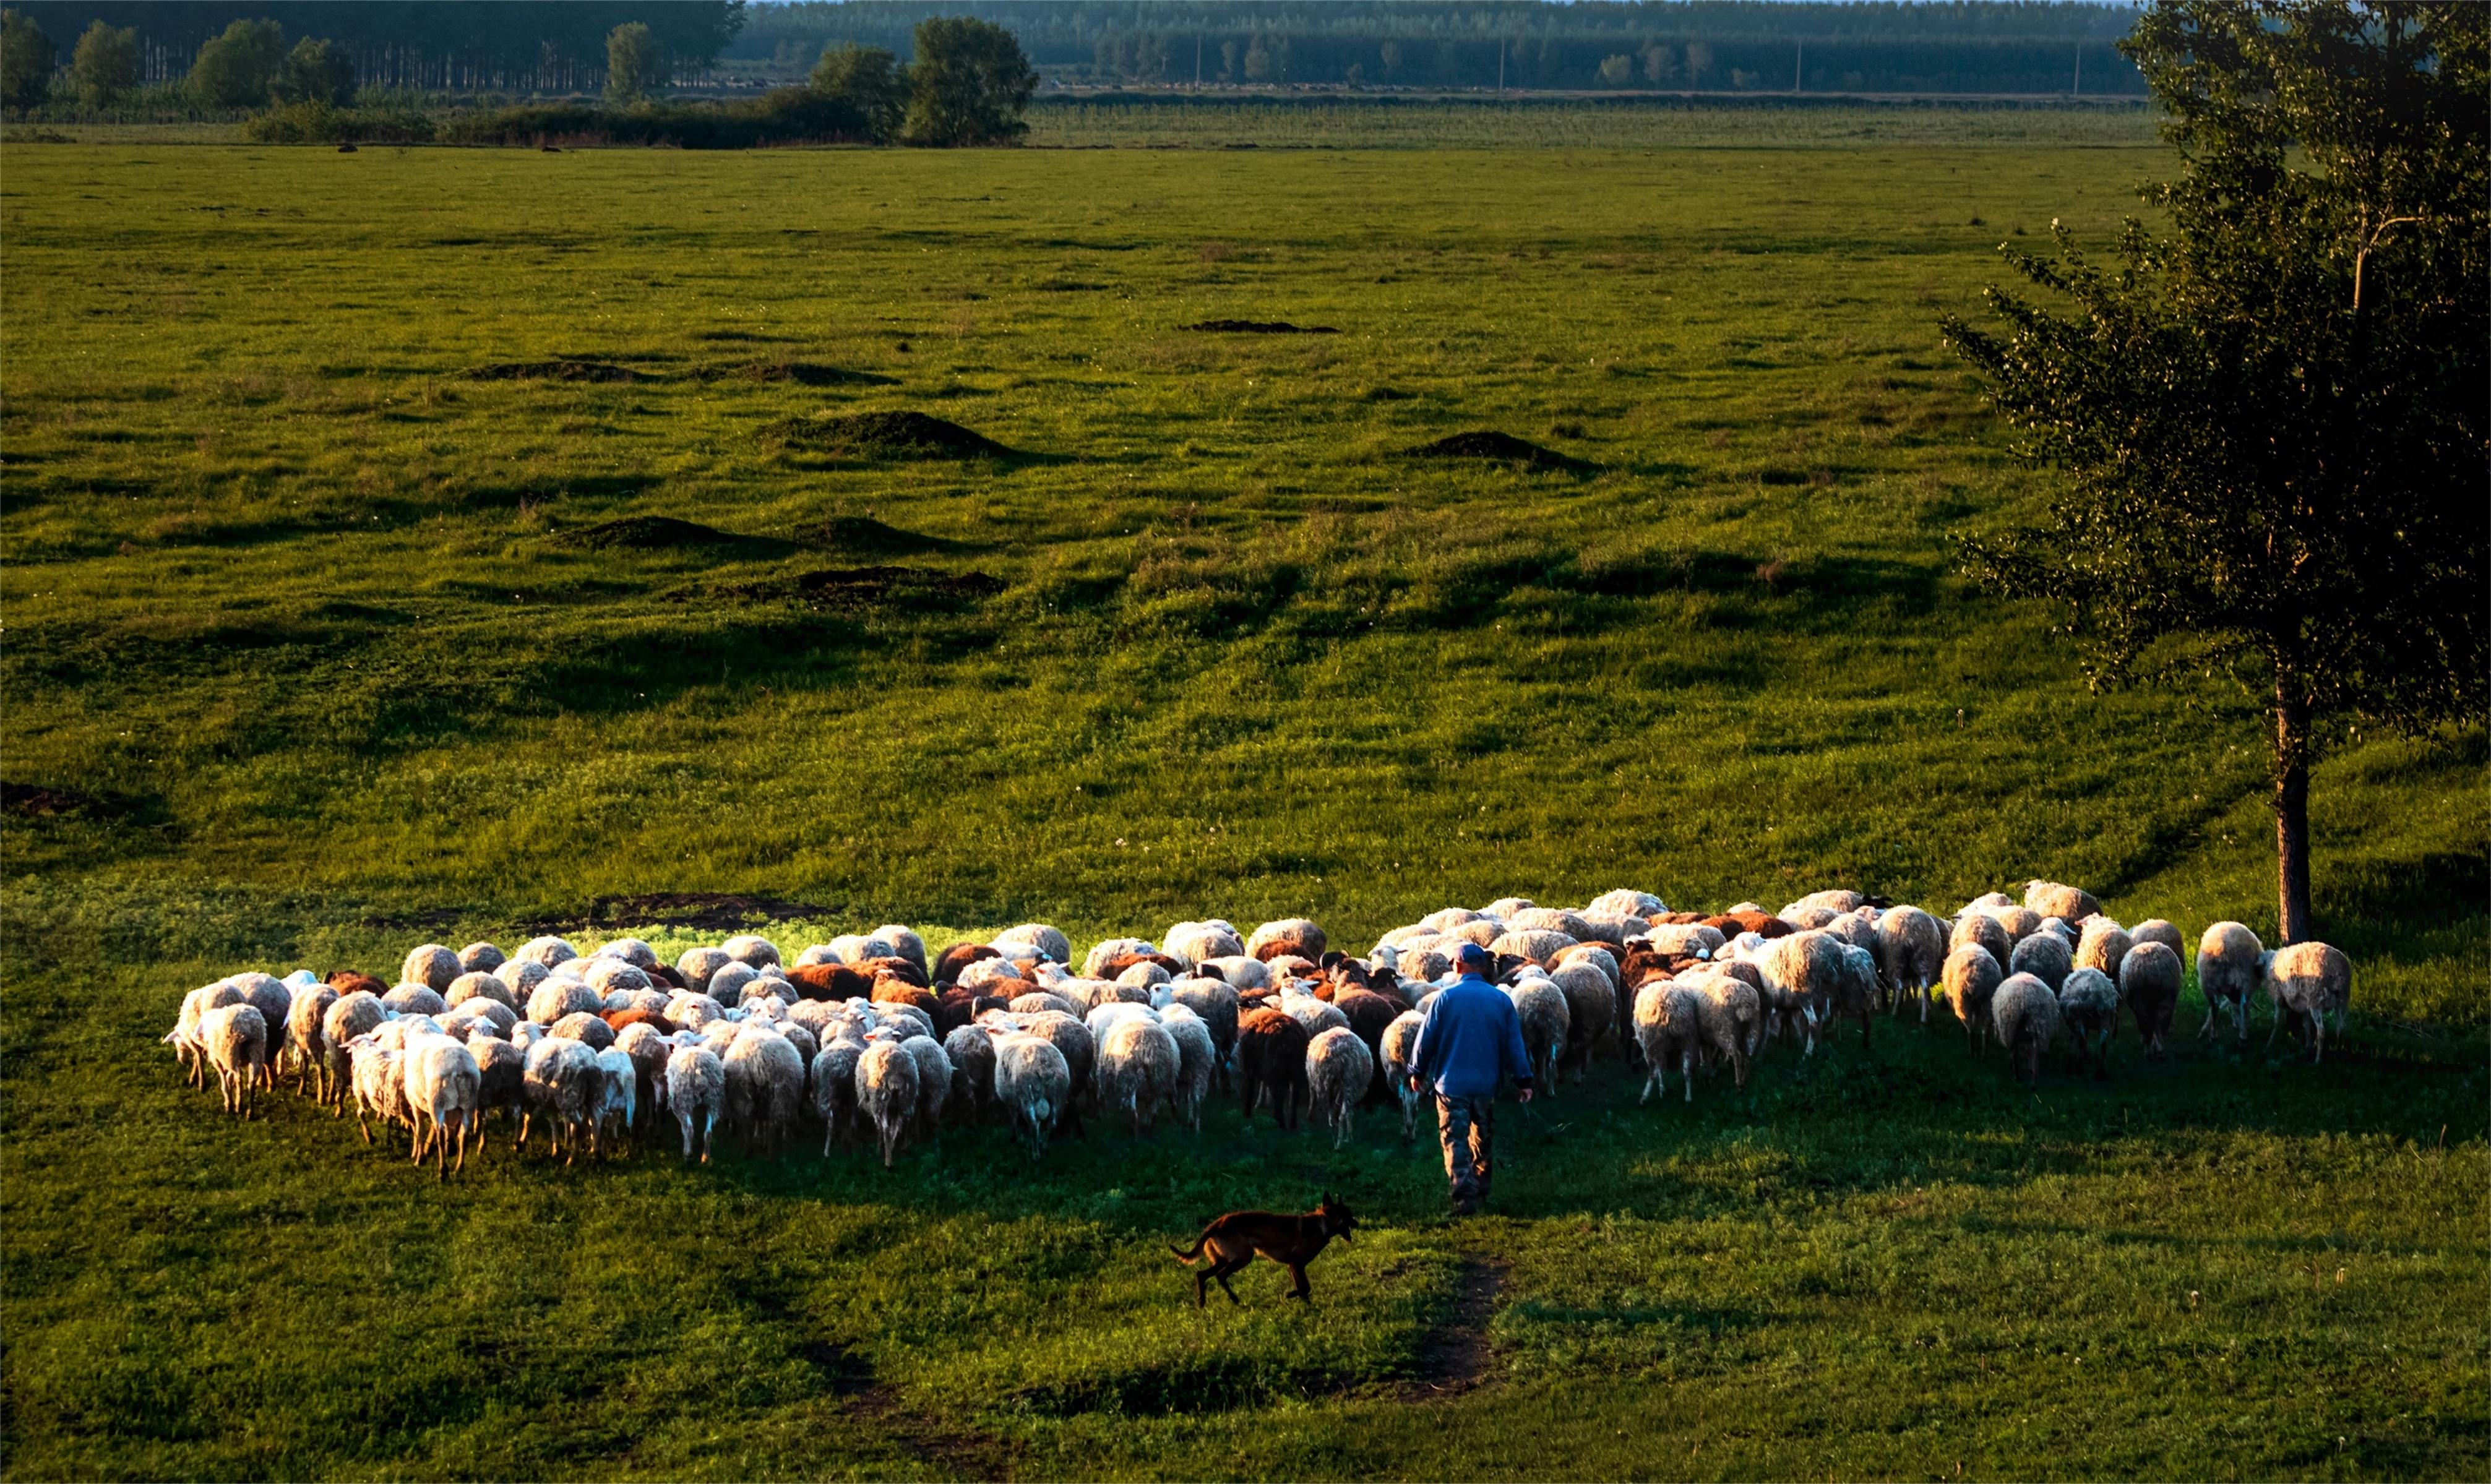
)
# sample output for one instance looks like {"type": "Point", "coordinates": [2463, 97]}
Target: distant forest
{"type": "Point", "coordinates": [558, 47]}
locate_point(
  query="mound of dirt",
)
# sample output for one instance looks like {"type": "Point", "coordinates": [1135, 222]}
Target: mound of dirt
{"type": "Point", "coordinates": [853, 588]}
{"type": "Point", "coordinates": [1256, 327]}
{"type": "Point", "coordinates": [645, 532]}
{"type": "Point", "coordinates": [883, 435]}
{"type": "Point", "coordinates": [804, 373]}
{"type": "Point", "coordinates": [553, 370]}
{"type": "Point", "coordinates": [1497, 448]}
{"type": "Point", "coordinates": [866, 535]}
{"type": "Point", "coordinates": [36, 801]}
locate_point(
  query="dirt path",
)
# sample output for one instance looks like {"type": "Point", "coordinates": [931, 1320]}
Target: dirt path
{"type": "Point", "coordinates": [949, 1452]}
{"type": "Point", "coordinates": [1456, 1357]}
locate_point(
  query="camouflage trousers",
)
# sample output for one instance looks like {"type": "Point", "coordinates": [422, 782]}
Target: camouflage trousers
{"type": "Point", "coordinates": [1467, 1128]}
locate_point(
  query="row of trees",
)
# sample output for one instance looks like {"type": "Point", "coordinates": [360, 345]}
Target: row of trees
{"type": "Point", "coordinates": [247, 66]}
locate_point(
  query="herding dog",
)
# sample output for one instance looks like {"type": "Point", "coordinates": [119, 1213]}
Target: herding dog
{"type": "Point", "coordinates": [1234, 1239]}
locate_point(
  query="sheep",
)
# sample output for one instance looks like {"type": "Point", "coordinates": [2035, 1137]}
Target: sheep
{"type": "Point", "coordinates": [1288, 935]}
{"type": "Point", "coordinates": [2025, 1015]}
{"type": "Point", "coordinates": [2155, 930]}
{"type": "Point", "coordinates": [649, 1050]}
{"type": "Point", "coordinates": [445, 1095]}
{"type": "Point", "coordinates": [2305, 982]}
{"type": "Point", "coordinates": [1340, 1070]}
{"type": "Point", "coordinates": [520, 976]}
{"type": "Point", "coordinates": [934, 1082]}
{"type": "Point", "coordinates": [886, 1092]}
{"type": "Point", "coordinates": [1034, 1083]}
{"type": "Point", "coordinates": [2042, 956]}
{"type": "Point", "coordinates": [233, 1040]}
{"type": "Point", "coordinates": [972, 1055]}
{"type": "Point", "coordinates": [2051, 899]}
{"type": "Point", "coordinates": [1197, 1057]}
{"type": "Point", "coordinates": [2089, 1007]}
{"type": "Point", "coordinates": [1729, 1015]}
{"type": "Point", "coordinates": [607, 975]}
{"type": "Point", "coordinates": [415, 1000]}
{"type": "Point", "coordinates": [477, 984]}
{"type": "Point", "coordinates": [1094, 965]}
{"type": "Point", "coordinates": [1367, 1013]}
{"type": "Point", "coordinates": [1855, 988]}
{"type": "Point", "coordinates": [1982, 930]}
{"type": "Point", "coordinates": [1855, 930]}
{"type": "Point", "coordinates": [184, 1038]}
{"type": "Point", "coordinates": [750, 949]}
{"type": "Point", "coordinates": [555, 999]}
{"type": "Point", "coordinates": [2149, 984]}
{"type": "Point", "coordinates": [1911, 954]}
{"type": "Point", "coordinates": [2021, 922]}
{"type": "Point", "coordinates": [547, 951]}
{"type": "Point", "coordinates": [765, 1082]}
{"type": "Point", "coordinates": [1808, 920]}
{"type": "Point", "coordinates": [1242, 971]}
{"type": "Point", "coordinates": [834, 1087]}
{"type": "Point", "coordinates": [1145, 974]}
{"type": "Point", "coordinates": [1970, 981]}
{"type": "Point", "coordinates": [273, 998]}
{"type": "Point", "coordinates": [2230, 963]}
{"type": "Point", "coordinates": [582, 1026]}
{"type": "Point", "coordinates": [562, 1083]}
{"type": "Point", "coordinates": [1271, 1056]}
{"type": "Point", "coordinates": [1546, 1019]}
{"type": "Point", "coordinates": [354, 1015]}
{"type": "Point", "coordinates": [431, 966]}
{"type": "Point", "coordinates": [1139, 1063]}
{"type": "Point", "coordinates": [1316, 1016]}
{"type": "Point", "coordinates": [378, 1085]}
{"type": "Point", "coordinates": [501, 1081]}
{"type": "Point", "coordinates": [1809, 968]}
{"type": "Point", "coordinates": [1049, 941]}
{"type": "Point", "coordinates": [2102, 947]}
{"type": "Point", "coordinates": [695, 1093]}
{"type": "Point", "coordinates": [1591, 1009]}
{"type": "Point", "coordinates": [1194, 942]}
{"type": "Point", "coordinates": [1669, 1027]}
{"type": "Point", "coordinates": [304, 1022]}
{"type": "Point", "coordinates": [1398, 1044]}
{"type": "Point", "coordinates": [1624, 903]}
{"type": "Point", "coordinates": [1537, 946]}
{"type": "Point", "coordinates": [1217, 1005]}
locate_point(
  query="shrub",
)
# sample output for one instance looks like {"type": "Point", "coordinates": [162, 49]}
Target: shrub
{"type": "Point", "coordinates": [869, 81]}
{"type": "Point", "coordinates": [235, 70]}
{"type": "Point", "coordinates": [318, 123]}
{"type": "Point", "coordinates": [316, 72]}
{"type": "Point", "coordinates": [26, 56]}
{"type": "Point", "coordinates": [781, 116]}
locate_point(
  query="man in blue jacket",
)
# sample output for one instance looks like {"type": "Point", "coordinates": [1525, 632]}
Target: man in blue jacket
{"type": "Point", "coordinates": [1469, 1040]}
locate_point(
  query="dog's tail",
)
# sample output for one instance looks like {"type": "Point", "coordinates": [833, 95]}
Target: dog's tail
{"type": "Point", "coordinates": [1199, 1243]}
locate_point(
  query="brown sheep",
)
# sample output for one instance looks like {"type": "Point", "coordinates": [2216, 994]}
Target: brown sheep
{"type": "Point", "coordinates": [350, 981]}
{"type": "Point", "coordinates": [830, 981]}
{"type": "Point", "coordinates": [956, 1007]}
{"type": "Point", "coordinates": [895, 992]}
{"type": "Point", "coordinates": [1272, 1054]}
{"type": "Point", "coordinates": [618, 1019]}
{"type": "Point", "coordinates": [949, 963]}
{"type": "Point", "coordinates": [903, 970]}
{"type": "Point", "coordinates": [1730, 924]}
{"type": "Point", "coordinates": [1117, 964]}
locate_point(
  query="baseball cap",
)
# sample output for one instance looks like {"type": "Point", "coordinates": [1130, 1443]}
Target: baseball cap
{"type": "Point", "coordinates": [1471, 954]}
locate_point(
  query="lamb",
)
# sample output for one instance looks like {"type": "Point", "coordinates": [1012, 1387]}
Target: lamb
{"type": "Point", "coordinates": [1049, 941]}
{"type": "Point", "coordinates": [1295, 936]}
{"type": "Point", "coordinates": [695, 1093]}
{"type": "Point", "coordinates": [431, 966]}
{"type": "Point", "coordinates": [1808, 967]}
{"type": "Point", "coordinates": [1271, 1056]}
{"type": "Point", "coordinates": [233, 1039]}
{"type": "Point", "coordinates": [562, 1083]}
{"type": "Point", "coordinates": [1035, 1085]}
{"type": "Point", "coordinates": [1911, 953]}
{"type": "Point", "coordinates": [1669, 1027]}
{"type": "Point", "coordinates": [1547, 1020]}
{"type": "Point", "coordinates": [1197, 1057]}
{"type": "Point", "coordinates": [2103, 948]}
{"type": "Point", "coordinates": [1971, 982]}
{"type": "Point", "coordinates": [2042, 956]}
{"type": "Point", "coordinates": [2306, 982]}
{"type": "Point", "coordinates": [2025, 1013]}
{"type": "Point", "coordinates": [1399, 1043]}
{"type": "Point", "coordinates": [2230, 963]}
{"type": "Point", "coordinates": [886, 1091]}
{"type": "Point", "coordinates": [934, 1082]}
{"type": "Point", "coordinates": [2051, 899]}
{"type": "Point", "coordinates": [445, 1093]}
{"type": "Point", "coordinates": [1728, 1013]}
{"type": "Point", "coordinates": [1340, 1070]}
{"type": "Point", "coordinates": [765, 1082]}
{"type": "Point", "coordinates": [1139, 1063]}
{"type": "Point", "coordinates": [2089, 1007]}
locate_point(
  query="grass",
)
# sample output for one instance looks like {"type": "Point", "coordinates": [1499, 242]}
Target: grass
{"type": "Point", "coordinates": [340, 652]}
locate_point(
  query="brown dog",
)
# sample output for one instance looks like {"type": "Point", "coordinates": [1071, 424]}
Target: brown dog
{"type": "Point", "coordinates": [1234, 1239]}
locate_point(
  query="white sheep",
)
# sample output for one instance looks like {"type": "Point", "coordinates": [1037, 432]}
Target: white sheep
{"type": "Point", "coordinates": [1316, 1016]}
{"type": "Point", "coordinates": [1296, 936]}
{"type": "Point", "coordinates": [444, 1095]}
{"type": "Point", "coordinates": [2088, 1008]}
{"type": "Point", "coordinates": [1545, 1018]}
{"type": "Point", "coordinates": [834, 1083]}
{"type": "Point", "coordinates": [697, 964]}
{"type": "Point", "coordinates": [2103, 945]}
{"type": "Point", "coordinates": [233, 1040]}
{"type": "Point", "coordinates": [378, 1085]}
{"type": "Point", "coordinates": [1624, 903]}
{"type": "Point", "coordinates": [1911, 954]}
{"type": "Point", "coordinates": [1138, 1067]}
{"type": "Point", "coordinates": [547, 951]}
{"type": "Point", "coordinates": [1034, 1083]}
{"type": "Point", "coordinates": [2155, 930]}
{"type": "Point", "coordinates": [304, 1038]}
{"type": "Point", "coordinates": [1969, 982]}
{"type": "Point", "coordinates": [1979, 929]}
{"type": "Point", "coordinates": [184, 1038]}
{"type": "Point", "coordinates": [2052, 899]}
{"type": "Point", "coordinates": [695, 1093]}
{"type": "Point", "coordinates": [1048, 942]}
{"type": "Point", "coordinates": [765, 1084]}
{"type": "Point", "coordinates": [2025, 1015]}
{"type": "Point", "coordinates": [2230, 964]}
{"type": "Point", "coordinates": [1198, 1059]}
{"type": "Point", "coordinates": [563, 1082]}
{"type": "Point", "coordinates": [1194, 942]}
{"type": "Point", "coordinates": [1340, 1070]}
{"type": "Point", "coordinates": [1809, 968]}
{"type": "Point", "coordinates": [2044, 956]}
{"type": "Point", "coordinates": [1669, 1027]}
{"type": "Point", "coordinates": [1399, 1043]}
{"type": "Point", "coordinates": [432, 966]}
{"type": "Point", "coordinates": [750, 949]}
{"type": "Point", "coordinates": [1730, 1012]}
{"type": "Point", "coordinates": [501, 1081]}
{"type": "Point", "coordinates": [2306, 982]}
{"type": "Point", "coordinates": [934, 1082]}
{"type": "Point", "coordinates": [886, 1092]}
{"type": "Point", "coordinates": [618, 1101]}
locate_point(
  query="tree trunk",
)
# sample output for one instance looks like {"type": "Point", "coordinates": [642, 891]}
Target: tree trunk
{"type": "Point", "coordinates": [2291, 812]}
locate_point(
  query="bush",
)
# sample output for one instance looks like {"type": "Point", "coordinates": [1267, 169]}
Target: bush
{"type": "Point", "coordinates": [316, 72]}
{"type": "Point", "coordinates": [319, 123]}
{"type": "Point", "coordinates": [235, 70]}
{"type": "Point", "coordinates": [780, 116]}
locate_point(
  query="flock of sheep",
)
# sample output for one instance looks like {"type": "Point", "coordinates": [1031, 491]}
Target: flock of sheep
{"type": "Point", "coordinates": [869, 1033]}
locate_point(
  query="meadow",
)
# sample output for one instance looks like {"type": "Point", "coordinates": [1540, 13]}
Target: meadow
{"type": "Point", "coordinates": [327, 632]}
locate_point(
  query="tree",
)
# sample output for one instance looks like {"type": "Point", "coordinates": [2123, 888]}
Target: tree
{"type": "Point", "coordinates": [968, 85]}
{"type": "Point", "coordinates": [26, 57]}
{"type": "Point", "coordinates": [1617, 70]}
{"type": "Point", "coordinates": [316, 71]}
{"type": "Point", "coordinates": [234, 70]}
{"type": "Point", "coordinates": [868, 83]}
{"type": "Point", "coordinates": [634, 69]}
{"type": "Point", "coordinates": [2273, 418]}
{"type": "Point", "coordinates": [106, 64]}
{"type": "Point", "coordinates": [1258, 61]}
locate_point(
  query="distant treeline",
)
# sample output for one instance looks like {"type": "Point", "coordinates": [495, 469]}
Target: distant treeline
{"type": "Point", "coordinates": [513, 47]}
{"type": "Point", "coordinates": [1687, 45]}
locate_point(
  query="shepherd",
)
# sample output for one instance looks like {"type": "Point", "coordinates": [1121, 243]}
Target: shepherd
{"type": "Point", "coordinates": [1471, 1039]}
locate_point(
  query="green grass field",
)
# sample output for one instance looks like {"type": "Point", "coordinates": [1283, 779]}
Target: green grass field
{"type": "Point", "coordinates": [324, 634]}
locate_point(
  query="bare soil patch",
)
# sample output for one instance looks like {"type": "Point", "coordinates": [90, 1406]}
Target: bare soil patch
{"type": "Point", "coordinates": [1455, 1356]}
{"type": "Point", "coordinates": [38, 800]}
{"type": "Point", "coordinates": [553, 370]}
{"type": "Point", "coordinates": [1255, 327]}
{"type": "Point", "coordinates": [1491, 446]}
{"type": "Point", "coordinates": [863, 535]}
{"type": "Point", "coordinates": [803, 374]}
{"type": "Point", "coordinates": [646, 533]}
{"type": "Point", "coordinates": [883, 435]}
{"type": "Point", "coordinates": [855, 589]}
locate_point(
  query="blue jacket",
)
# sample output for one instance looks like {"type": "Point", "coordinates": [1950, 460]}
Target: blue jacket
{"type": "Point", "coordinates": [1471, 1036]}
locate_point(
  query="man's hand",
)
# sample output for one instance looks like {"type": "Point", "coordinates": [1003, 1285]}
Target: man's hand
{"type": "Point", "coordinates": [1526, 1093]}
{"type": "Point", "coordinates": [1413, 1080]}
